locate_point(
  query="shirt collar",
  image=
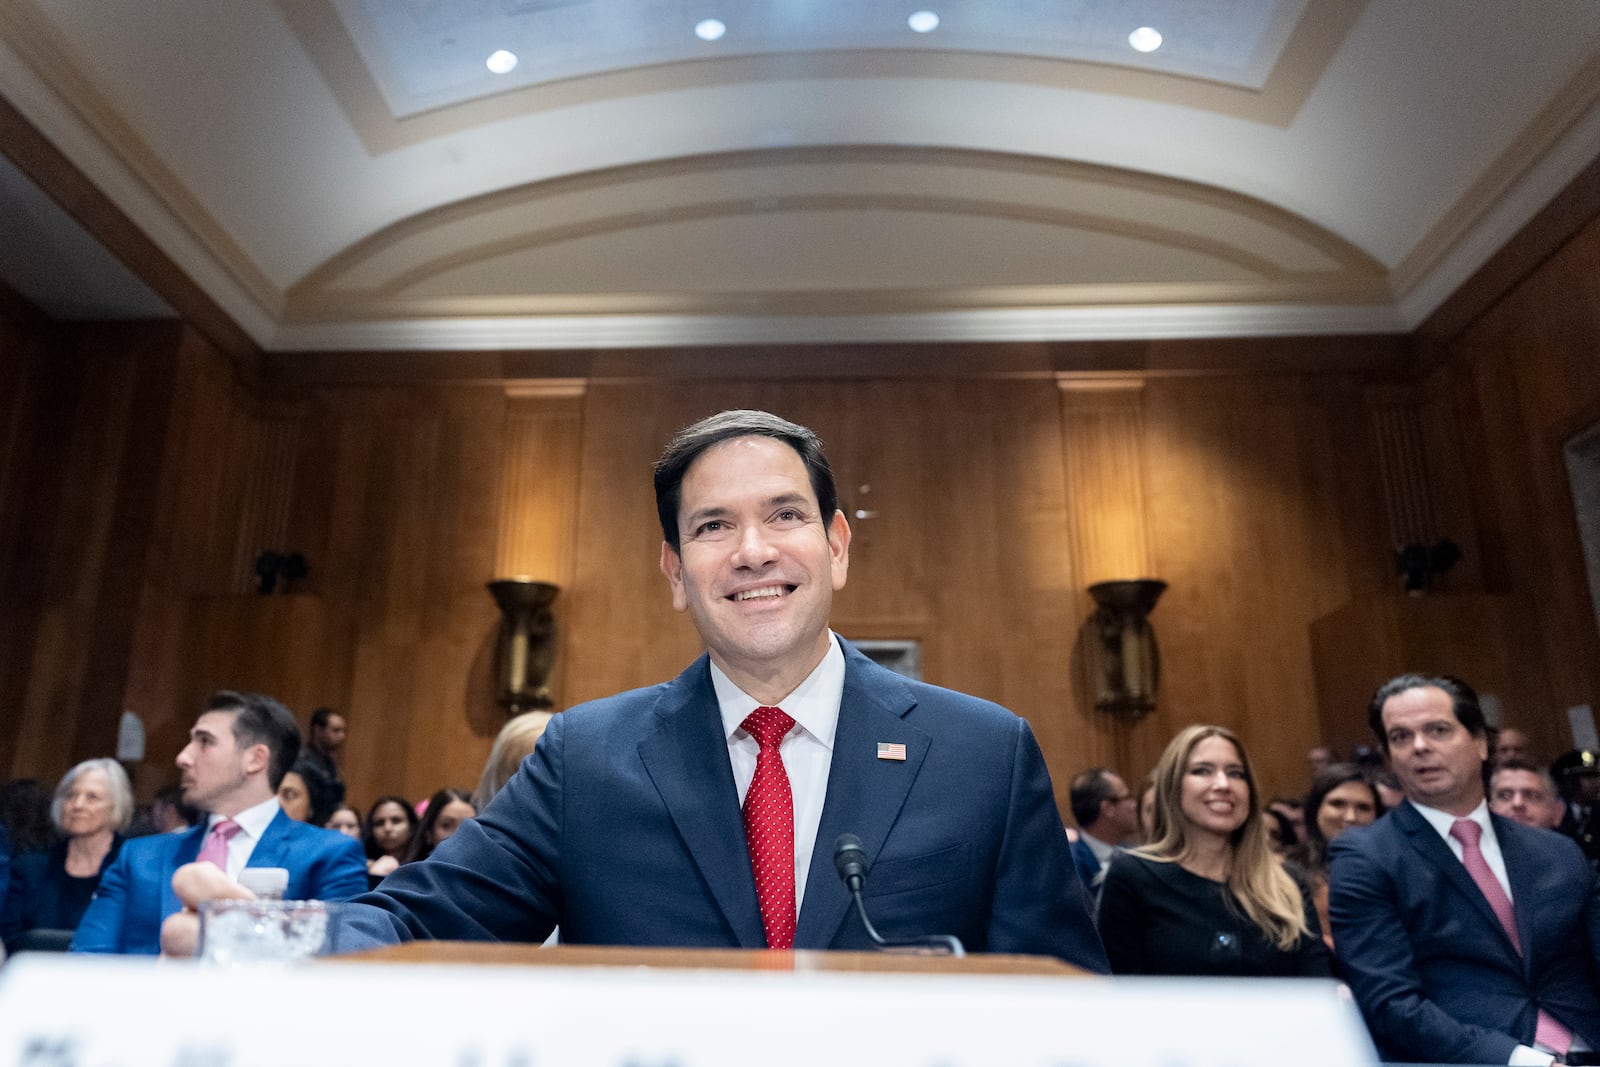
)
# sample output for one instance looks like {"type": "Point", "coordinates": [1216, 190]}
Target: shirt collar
{"type": "Point", "coordinates": [814, 704]}
{"type": "Point", "coordinates": [253, 820]}
{"type": "Point", "coordinates": [1442, 820]}
{"type": "Point", "coordinates": [1103, 850]}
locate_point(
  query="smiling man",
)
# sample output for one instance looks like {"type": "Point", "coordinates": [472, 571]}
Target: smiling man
{"type": "Point", "coordinates": [703, 812]}
{"type": "Point", "coordinates": [1466, 937]}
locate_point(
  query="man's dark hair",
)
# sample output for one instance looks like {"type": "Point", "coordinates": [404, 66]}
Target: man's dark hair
{"type": "Point", "coordinates": [172, 795]}
{"type": "Point", "coordinates": [320, 717]}
{"type": "Point", "coordinates": [260, 720]}
{"type": "Point", "coordinates": [1463, 701]}
{"type": "Point", "coordinates": [691, 441]}
{"type": "Point", "coordinates": [1089, 790]}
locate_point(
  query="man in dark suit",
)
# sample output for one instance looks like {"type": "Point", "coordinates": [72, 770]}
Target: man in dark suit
{"type": "Point", "coordinates": [1107, 814]}
{"type": "Point", "coordinates": [238, 751]}
{"type": "Point", "coordinates": [1466, 937]}
{"type": "Point", "coordinates": [672, 816]}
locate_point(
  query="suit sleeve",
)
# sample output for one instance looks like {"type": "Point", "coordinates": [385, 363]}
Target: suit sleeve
{"type": "Point", "coordinates": [1040, 905]}
{"type": "Point", "coordinates": [339, 873]}
{"type": "Point", "coordinates": [1374, 948]}
{"type": "Point", "coordinates": [102, 925]}
{"type": "Point", "coordinates": [494, 879]}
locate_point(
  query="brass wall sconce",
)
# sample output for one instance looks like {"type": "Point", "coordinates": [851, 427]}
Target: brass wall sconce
{"type": "Point", "coordinates": [525, 649]}
{"type": "Point", "coordinates": [1127, 661]}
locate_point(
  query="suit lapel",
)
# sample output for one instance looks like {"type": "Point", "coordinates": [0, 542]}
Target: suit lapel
{"type": "Point", "coordinates": [270, 850]}
{"type": "Point", "coordinates": [1520, 873]}
{"type": "Point", "coordinates": [865, 794]}
{"type": "Point", "coordinates": [686, 757]}
{"type": "Point", "coordinates": [188, 847]}
{"type": "Point", "coordinates": [1427, 841]}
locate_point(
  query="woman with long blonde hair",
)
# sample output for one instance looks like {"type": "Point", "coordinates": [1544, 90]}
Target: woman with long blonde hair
{"type": "Point", "coordinates": [1206, 895]}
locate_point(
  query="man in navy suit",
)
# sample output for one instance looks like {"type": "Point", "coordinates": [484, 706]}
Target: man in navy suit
{"type": "Point", "coordinates": [1107, 814]}
{"type": "Point", "coordinates": [238, 751]}
{"type": "Point", "coordinates": [629, 823]}
{"type": "Point", "coordinates": [1466, 937]}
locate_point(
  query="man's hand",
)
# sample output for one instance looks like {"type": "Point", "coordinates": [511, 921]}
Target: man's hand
{"type": "Point", "coordinates": [196, 883]}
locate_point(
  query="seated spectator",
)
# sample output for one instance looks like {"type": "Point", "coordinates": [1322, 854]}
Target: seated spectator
{"type": "Point", "coordinates": [513, 745]}
{"type": "Point", "coordinates": [1523, 792]}
{"type": "Point", "coordinates": [390, 825]}
{"type": "Point", "coordinates": [170, 813]}
{"type": "Point", "coordinates": [1107, 814]}
{"type": "Point", "coordinates": [305, 796]}
{"type": "Point", "coordinates": [1341, 798]}
{"type": "Point", "coordinates": [1147, 809]}
{"type": "Point", "coordinates": [346, 820]}
{"type": "Point", "coordinates": [25, 815]}
{"type": "Point", "coordinates": [446, 811]}
{"type": "Point", "coordinates": [1205, 897]}
{"type": "Point", "coordinates": [1280, 833]}
{"type": "Point", "coordinates": [51, 888]}
{"type": "Point", "coordinates": [1511, 744]}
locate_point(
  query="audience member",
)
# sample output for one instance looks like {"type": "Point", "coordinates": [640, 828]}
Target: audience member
{"type": "Point", "coordinates": [446, 811]}
{"type": "Point", "coordinates": [169, 814]}
{"type": "Point", "coordinates": [390, 825]}
{"type": "Point", "coordinates": [1107, 814]}
{"type": "Point", "coordinates": [1512, 744]}
{"type": "Point", "coordinates": [1389, 791]}
{"type": "Point", "coordinates": [239, 749]}
{"type": "Point", "coordinates": [1280, 833]}
{"type": "Point", "coordinates": [1147, 809]}
{"type": "Point", "coordinates": [1526, 794]}
{"type": "Point", "coordinates": [1466, 937]}
{"type": "Point", "coordinates": [50, 889]}
{"type": "Point", "coordinates": [1292, 809]}
{"type": "Point", "coordinates": [513, 745]}
{"type": "Point", "coordinates": [321, 755]}
{"type": "Point", "coordinates": [305, 795]}
{"type": "Point", "coordinates": [1342, 797]}
{"type": "Point", "coordinates": [1319, 759]}
{"type": "Point", "coordinates": [1577, 775]}
{"type": "Point", "coordinates": [1206, 897]}
{"type": "Point", "coordinates": [346, 820]}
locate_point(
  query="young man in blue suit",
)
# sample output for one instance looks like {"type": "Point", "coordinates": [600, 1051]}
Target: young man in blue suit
{"type": "Point", "coordinates": [238, 751]}
{"type": "Point", "coordinates": [630, 825]}
{"type": "Point", "coordinates": [1466, 937]}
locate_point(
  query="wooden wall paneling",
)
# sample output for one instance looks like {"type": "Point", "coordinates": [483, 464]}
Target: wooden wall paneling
{"type": "Point", "coordinates": [1243, 505]}
{"type": "Point", "coordinates": [1108, 532]}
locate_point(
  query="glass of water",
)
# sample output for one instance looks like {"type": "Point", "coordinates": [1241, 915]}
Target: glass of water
{"type": "Point", "coordinates": [238, 933]}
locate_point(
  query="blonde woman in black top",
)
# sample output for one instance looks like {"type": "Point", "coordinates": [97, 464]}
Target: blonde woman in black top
{"type": "Point", "coordinates": [1205, 895]}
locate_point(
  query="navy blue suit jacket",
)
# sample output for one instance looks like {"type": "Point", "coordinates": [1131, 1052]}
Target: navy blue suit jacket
{"type": "Point", "coordinates": [1088, 867]}
{"type": "Point", "coordinates": [1436, 975]}
{"type": "Point", "coordinates": [624, 827]}
{"type": "Point", "coordinates": [136, 896]}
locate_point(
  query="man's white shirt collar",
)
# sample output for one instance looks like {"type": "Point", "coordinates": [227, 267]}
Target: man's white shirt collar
{"type": "Point", "coordinates": [814, 703]}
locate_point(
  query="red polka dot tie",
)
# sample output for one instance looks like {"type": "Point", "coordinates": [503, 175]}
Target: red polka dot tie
{"type": "Point", "coordinates": [769, 827]}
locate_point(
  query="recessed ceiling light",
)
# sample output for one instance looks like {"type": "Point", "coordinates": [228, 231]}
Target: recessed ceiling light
{"type": "Point", "coordinates": [1145, 39]}
{"type": "Point", "coordinates": [502, 62]}
{"type": "Point", "coordinates": [923, 21]}
{"type": "Point", "coordinates": [710, 29]}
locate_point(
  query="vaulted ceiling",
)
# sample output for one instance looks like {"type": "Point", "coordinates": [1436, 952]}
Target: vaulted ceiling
{"type": "Point", "coordinates": [351, 174]}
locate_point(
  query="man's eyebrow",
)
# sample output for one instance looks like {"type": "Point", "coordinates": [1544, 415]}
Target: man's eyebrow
{"type": "Point", "coordinates": [712, 511]}
{"type": "Point", "coordinates": [787, 499]}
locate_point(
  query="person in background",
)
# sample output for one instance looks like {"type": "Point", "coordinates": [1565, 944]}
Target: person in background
{"type": "Point", "coordinates": [1206, 896]}
{"type": "Point", "coordinates": [1319, 758]}
{"type": "Point", "coordinates": [324, 743]}
{"type": "Point", "coordinates": [390, 825]}
{"type": "Point", "coordinates": [1107, 814]}
{"type": "Point", "coordinates": [25, 815]}
{"type": "Point", "coordinates": [1512, 744]}
{"type": "Point", "coordinates": [446, 811]}
{"type": "Point", "coordinates": [1280, 833]}
{"type": "Point", "coordinates": [512, 745]}
{"type": "Point", "coordinates": [1577, 775]}
{"type": "Point", "coordinates": [1526, 794]}
{"type": "Point", "coordinates": [1147, 809]}
{"type": "Point", "coordinates": [1465, 937]}
{"type": "Point", "coordinates": [168, 812]}
{"type": "Point", "coordinates": [305, 796]}
{"type": "Point", "coordinates": [346, 820]}
{"type": "Point", "coordinates": [51, 889]}
{"type": "Point", "coordinates": [1292, 809]}
{"type": "Point", "coordinates": [1341, 798]}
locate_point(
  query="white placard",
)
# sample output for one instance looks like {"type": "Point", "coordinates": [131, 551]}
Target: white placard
{"type": "Point", "coordinates": [65, 1011]}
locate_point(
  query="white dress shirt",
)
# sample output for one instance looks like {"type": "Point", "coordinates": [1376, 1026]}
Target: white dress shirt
{"type": "Point", "coordinates": [253, 823]}
{"type": "Point", "coordinates": [1488, 843]}
{"type": "Point", "coordinates": [807, 751]}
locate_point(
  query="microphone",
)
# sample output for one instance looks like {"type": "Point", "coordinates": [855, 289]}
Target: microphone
{"type": "Point", "coordinates": [850, 860]}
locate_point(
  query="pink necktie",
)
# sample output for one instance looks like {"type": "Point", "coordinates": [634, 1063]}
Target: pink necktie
{"type": "Point", "coordinates": [1548, 1031]}
{"type": "Point", "coordinates": [769, 827]}
{"type": "Point", "coordinates": [215, 850]}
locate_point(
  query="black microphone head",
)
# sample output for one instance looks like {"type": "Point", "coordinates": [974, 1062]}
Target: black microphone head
{"type": "Point", "coordinates": [850, 860]}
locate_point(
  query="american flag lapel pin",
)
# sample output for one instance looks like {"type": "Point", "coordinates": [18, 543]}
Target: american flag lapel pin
{"type": "Point", "coordinates": [888, 750]}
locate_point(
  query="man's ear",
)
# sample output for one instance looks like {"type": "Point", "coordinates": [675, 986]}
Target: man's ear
{"type": "Point", "coordinates": [839, 549]}
{"type": "Point", "coordinates": [672, 567]}
{"type": "Point", "coordinates": [256, 758]}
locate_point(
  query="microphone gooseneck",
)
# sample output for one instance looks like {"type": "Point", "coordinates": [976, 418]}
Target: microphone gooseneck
{"type": "Point", "coordinates": [850, 860]}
